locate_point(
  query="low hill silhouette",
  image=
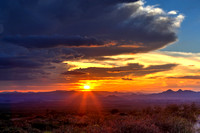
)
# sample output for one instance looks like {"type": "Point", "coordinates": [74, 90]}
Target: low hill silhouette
{"type": "Point", "coordinates": [74, 99]}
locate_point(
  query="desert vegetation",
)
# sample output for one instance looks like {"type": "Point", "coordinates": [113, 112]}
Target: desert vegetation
{"type": "Point", "coordinates": [169, 119]}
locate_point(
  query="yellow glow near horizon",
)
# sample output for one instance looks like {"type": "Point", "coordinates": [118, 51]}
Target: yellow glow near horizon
{"type": "Point", "coordinates": [188, 64]}
{"type": "Point", "coordinates": [86, 87]}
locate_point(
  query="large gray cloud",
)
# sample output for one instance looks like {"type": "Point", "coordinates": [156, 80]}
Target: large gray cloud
{"type": "Point", "coordinates": [80, 22]}
{"type": "Point", "coordinates": [36, 41]}
{"type": "Point", "coordinates": [37, 35]}
{"type": "Point", "coordinates": [19, 63]}
{"type": "Point", "coordinates": [51, 16]}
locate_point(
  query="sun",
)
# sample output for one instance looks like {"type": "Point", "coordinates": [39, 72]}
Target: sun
{"type": "Point", "coordinates": [86, 87]}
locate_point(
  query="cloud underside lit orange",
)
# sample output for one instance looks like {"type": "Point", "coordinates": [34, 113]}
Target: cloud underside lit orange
{"type": "Point", "coordinates": [154, 75]}
{"type": "Point", "coordinates": [147, 72]}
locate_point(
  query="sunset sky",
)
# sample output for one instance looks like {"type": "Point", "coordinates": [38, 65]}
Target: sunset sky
{"type": "Point", "coordinates": [105, 45]}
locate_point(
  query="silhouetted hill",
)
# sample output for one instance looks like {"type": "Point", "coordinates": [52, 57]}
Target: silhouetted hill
{"type": "Point", "coordinates": [180, 94]}
{"type": "Point", "coordinates": [75, 99]}
{"type": "Point", "coordinates": [16, 97]}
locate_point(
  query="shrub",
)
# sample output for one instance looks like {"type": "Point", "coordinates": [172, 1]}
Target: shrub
{"type": "Point", "coordinates": [114, 111]}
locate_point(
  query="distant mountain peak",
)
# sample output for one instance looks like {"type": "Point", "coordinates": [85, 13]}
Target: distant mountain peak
{"type": "Point", "coordinates": [180, 90]}
{"type": "Point", "coordinates": [168, 91]}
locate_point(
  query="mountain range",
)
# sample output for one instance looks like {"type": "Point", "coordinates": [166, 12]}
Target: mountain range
{"type": "Point", "coordinates": [59, 95]}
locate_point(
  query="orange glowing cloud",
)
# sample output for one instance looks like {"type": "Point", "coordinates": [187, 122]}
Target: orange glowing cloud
{"type": "Point", "coordinates": [120, 79]}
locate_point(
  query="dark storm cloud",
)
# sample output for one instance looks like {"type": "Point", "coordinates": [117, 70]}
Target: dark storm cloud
{"type": "Point", "coordinates": [22, 74]}
{"type": "Point", "coordinates": [51, 41]}
{"type": "Point", "coordinates": [50, 16]}
{"type": "Point", "coordinates": [36, 35]}
{"type": "Point", "coordinates": [19, 63]}
{"type": "Point", "coordinates": [9, 63]}
{"type": "Point", "coordinates": [131, 69]}
{"type": "Point", "coordinates": [86, 22]}
{"type": "Point", "coordinates": [96, 52]}
{"type": "Point", "coordinates": [18, 53]}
